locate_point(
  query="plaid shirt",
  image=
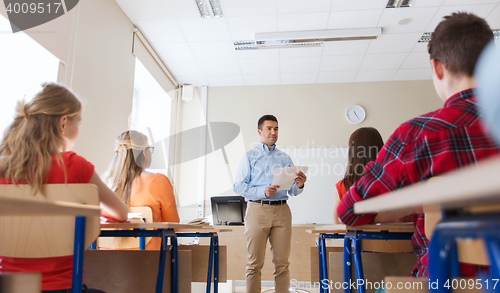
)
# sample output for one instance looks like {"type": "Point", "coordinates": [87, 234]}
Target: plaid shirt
{"type": "Point", "coordinates": [432, 144]}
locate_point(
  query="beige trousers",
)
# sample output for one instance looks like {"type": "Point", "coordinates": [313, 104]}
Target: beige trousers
{"type": "Point", "coordinates": [264, 221]}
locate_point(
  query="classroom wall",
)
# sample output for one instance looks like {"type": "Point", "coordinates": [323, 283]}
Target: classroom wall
{"type": "Point", "coordinates": [94, 43]}
{"type": "Point", "coordinates": [310, 116]}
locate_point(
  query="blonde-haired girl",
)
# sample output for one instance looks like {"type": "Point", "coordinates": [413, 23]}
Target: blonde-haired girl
{"type": "Point", "coordinates": [35, 150]}
{"type": "Point", "coordinates": [135, 186]}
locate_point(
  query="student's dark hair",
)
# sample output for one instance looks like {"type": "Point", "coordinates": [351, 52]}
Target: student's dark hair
{"type": "Point", "coordinates": [266, 118]}
{"type": "Point", "coordinates": [458, 41]}
{"type": "Point", "coordinates": [364, 145]}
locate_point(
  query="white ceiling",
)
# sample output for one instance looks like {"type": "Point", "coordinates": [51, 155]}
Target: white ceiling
{"type": "Point", "coordinates": [201, 51]}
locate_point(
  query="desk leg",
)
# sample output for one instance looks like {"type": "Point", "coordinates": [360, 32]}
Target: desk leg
{"type": "Point", "coordinates": [93, 246]}
{"type": "Point", "coordinates": [323, 273]}
{"type": "Point", "coordinates": [210, 264]}
{"type": "Point", "coordinates": [161, 265]}
{"type": "Point", "coordinates": [439, 260]}
{"type": "Point", "coordinates": [174, 263]}
{"type": "Point", "coordinates": [78, 250]}
{"type": "Point", "coordinates": [493, 249]}
{"type": "Point", "coordinates": [455, 266]}
{"type": "Point", "coordinates": [216, 263]}
{"type": "Point", "coordinates": [347, 264]}
{"type": "Point", "coordinates": [142, 242]}
{"type": "Point", "coordinates": [358, 265]}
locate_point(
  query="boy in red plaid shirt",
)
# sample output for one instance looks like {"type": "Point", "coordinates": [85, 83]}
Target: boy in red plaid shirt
{"type": "Point", "coordinates": [434, 143]}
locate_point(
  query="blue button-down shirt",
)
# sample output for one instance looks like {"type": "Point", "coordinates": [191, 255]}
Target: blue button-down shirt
{"type": "Point", "coordinates": [256, 170]}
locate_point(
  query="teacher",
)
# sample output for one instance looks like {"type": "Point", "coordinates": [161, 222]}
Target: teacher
{"type": "Point", "coordinates": [268, 214]}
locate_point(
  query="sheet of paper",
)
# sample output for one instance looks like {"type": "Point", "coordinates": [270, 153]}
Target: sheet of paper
{"type": "Point", "coordinates": [285, 177]}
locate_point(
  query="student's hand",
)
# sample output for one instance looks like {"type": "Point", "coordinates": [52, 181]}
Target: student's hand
{"type": "Point", "coordinates": [270, 190]}
{"type": "Point", "coordinates": [301, 179]}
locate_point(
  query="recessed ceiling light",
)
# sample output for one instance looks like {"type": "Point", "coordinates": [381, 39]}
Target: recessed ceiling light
{"type": "Point", "coordinates": [426, 37]}
{"type": "Point", "coordinates": [204, 8]}
{"type": "Point", "coordinates": [405, 21]}
{"type": "Point", "coordinates": [398, 3]}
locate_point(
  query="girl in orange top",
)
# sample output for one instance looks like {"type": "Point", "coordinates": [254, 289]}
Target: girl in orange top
{"type": "Point", "coordinates": [364, 145]}
{"type": "Point", "coordinates": [137, 187]}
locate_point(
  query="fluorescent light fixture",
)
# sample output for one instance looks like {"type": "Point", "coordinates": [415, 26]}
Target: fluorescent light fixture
{"type": "Point", "coordinates": [398, 3]}
{"type": "Point", "coordinates": [216, 8]}
{"type": "Point", "coordinates": [298, 39]}
{"type": "Point", "coordinates": [426, 37]}
{"type": "Point", "coordinates": [204, 8]}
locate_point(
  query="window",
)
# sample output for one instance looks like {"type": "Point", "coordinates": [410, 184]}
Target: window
{"type": "Point", "coordinates": [25, 66]}
{"type": "Point", "coordinates": [151, 112]}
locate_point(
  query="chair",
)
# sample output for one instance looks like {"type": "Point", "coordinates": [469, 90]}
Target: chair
{"type": "Point", "coordinates": [127, 242]}
{"type": "Point", "coordinates": [44, 236]}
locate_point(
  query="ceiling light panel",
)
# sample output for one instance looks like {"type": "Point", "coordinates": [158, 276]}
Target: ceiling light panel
{"type": "Point", "coordinates": [398, 3]}
{"type": "Point", "coordinates": [323, 35]}
{"type": "Point", "coordinates": [203, 8]}
{"type": "Point", "coordinates": [208, 8]}
{"type": "Point", "coordinates": [216, 8]}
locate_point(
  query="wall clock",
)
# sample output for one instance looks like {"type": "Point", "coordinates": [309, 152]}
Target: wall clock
{"type": "Point", "coordinates": [355, 114]}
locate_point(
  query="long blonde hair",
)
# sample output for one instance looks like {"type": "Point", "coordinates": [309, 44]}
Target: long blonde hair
{"type": "Point", "coordinates": [128, 163]}
{"type": "Point", "coordinates": [34, 137]}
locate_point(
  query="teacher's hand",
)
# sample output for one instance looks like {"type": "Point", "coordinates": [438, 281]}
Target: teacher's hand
{"type": "Point", "coordinates": [301, 179]}
{"type": "Point", "coordinates": [270, 190]}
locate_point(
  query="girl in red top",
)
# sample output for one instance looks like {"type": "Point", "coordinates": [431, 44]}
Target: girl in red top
{"type": "Point", "coordinates": [35, 150]}
{"type": "Point", "coordinates": [364, 145]}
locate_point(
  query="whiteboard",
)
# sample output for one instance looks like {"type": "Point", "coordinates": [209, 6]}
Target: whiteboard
{"type": "Point", "coordinates": [326, 167]}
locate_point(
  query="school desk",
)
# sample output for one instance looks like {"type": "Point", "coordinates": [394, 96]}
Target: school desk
{"type": "Point", "coordinates": [470, 201]}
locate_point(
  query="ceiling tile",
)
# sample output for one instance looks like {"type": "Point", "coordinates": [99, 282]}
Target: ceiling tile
{"type": "Point", "coordinates": [479, 10]}
{"type": "Point", "coordinates": [213, 50]}
{"type": "Point", "coordinates": [493, 18]}
{"type": "Point", "coordinates": [194, 80]}
{"type": "Point", "coordinates": [262, 79]}
{"type": "Point", "coordinates": [299, 64]}
{"type": "Point", "coordinates": [420, 47]}
{"type": "Point", "coordinates": [184, 68]}
{"type": "Point", "coordinates": [244, 28]}
{"type": "Point", "coordinates": [298, 6]}
{"type": "Point", "coordinates": [354, 19]}
{"type": "Point", "coordinates": [375, 75]}
{"type": "Point", "coordinates": [467, 2]}
{"type": "Point", "coordinates": [341, 63]}
{"type": "Point", "coordinates": [174, 51]}
{"type": "Point", "coordinates": [226, 80]}
{"type": "Point", "coordinates": [183, 8]}
{"type": "Point", "coordinates": [336, 77]}
{"type": "Point", "coordinates": [345, 47]}
{"type": "Point", "coordinates": [394, 43]}
{"type": "Point", "coordinates": [413, 74]}
{"type": "Point", "coordinates": [257, 54]}
{"type": "Point", "coordinates": [383, 61]}
{"type": "Point", "coordinates": [145, 9]}
{"type": "Point", "coordinates": [426, 3]}
{"type": "Point", "coordinates": [301, 52]}
{"type": "Point", "coordinates": [420, 16]}
{"type": "Point", "coordinates": [302, 22]}
{"type": "Point", "coordinates": [247, 8]}
{"type": "Point", "coordinates": [260, 66]}
{"type": "Point", "coordinates": [220, 67]}
{"type": "Point", "coordinates": [201, 30]}
{"type": "Point", "coordinates": [298, 78]}
{"type": "Point", "coordinates": [343, 5]}
{"type": "Point", "coordinates": [417, 60]}
{"type": "Point", "coordinates": [161, 31]}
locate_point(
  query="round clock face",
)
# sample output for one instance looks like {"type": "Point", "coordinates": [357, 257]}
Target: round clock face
{"type": "Point", "coordinates": [355, 114]}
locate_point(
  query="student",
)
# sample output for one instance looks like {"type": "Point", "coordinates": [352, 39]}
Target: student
{"type": "Point", "coordinates": [36, 150]}
{"type": "Point", "coordinates": [136, 187]}
{"type": "Point", "coordinates": [268, 215]}
{"type": "Point", "coordinates": [364, 145]}
{"type": "Point", "coordinates": [435, 143]}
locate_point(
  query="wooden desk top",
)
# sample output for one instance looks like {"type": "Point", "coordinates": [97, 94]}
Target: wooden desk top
{"type": "Point", "coordinates": [342, 229]}
{"type": "Point", "coordinates": [164, 225]}
{"type": "Point", "coordinates": [475, 185]}
{"type": "Point", "coordinates": [27, 207]}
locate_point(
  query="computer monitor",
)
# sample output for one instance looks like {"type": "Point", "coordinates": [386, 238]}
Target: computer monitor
{"type": "Point", "coordinates": [228, 210]}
